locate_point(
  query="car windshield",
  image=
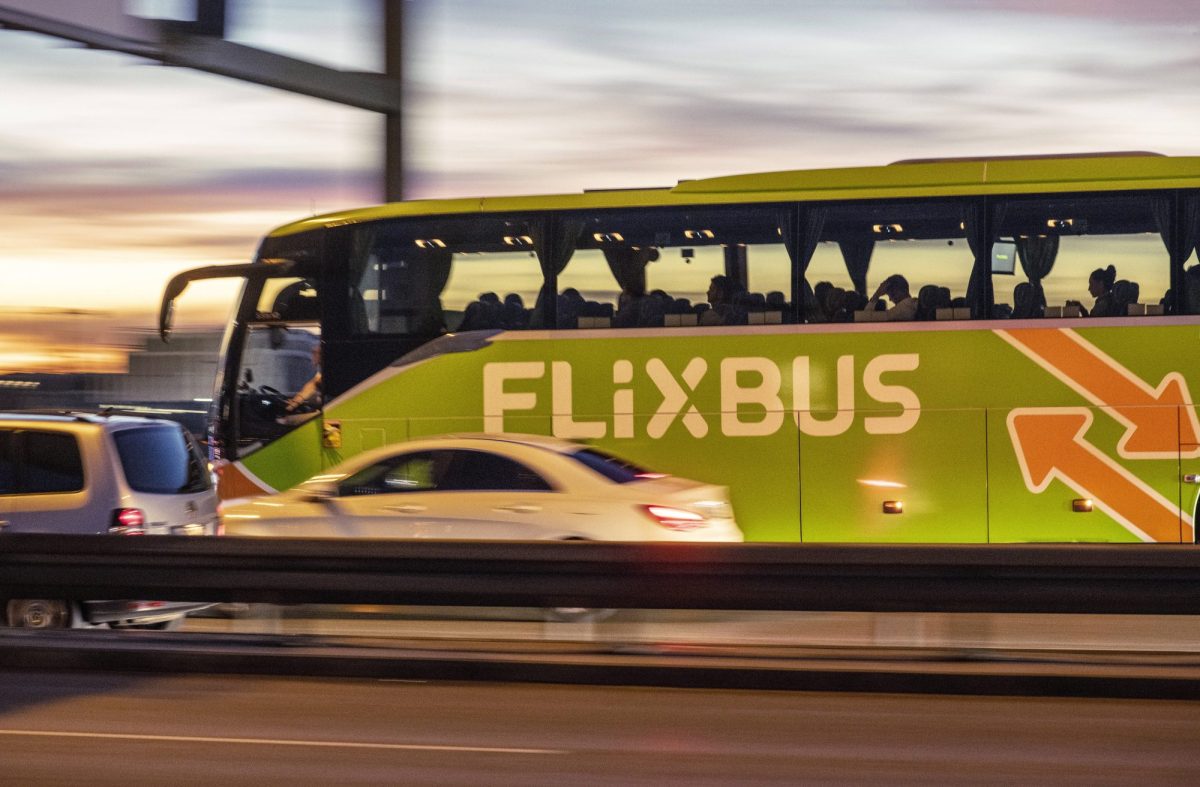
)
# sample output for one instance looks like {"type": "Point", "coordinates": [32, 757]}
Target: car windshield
{"type": "Point", "coordinates": [161, 460]}
{"type": "Point", "coordinates": [611, 467]}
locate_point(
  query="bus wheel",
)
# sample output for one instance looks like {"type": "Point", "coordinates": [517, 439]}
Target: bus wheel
{"type": "Point", "coordinates": [578, 614]}
{"type": "Point", "coordinates": [38, 613]}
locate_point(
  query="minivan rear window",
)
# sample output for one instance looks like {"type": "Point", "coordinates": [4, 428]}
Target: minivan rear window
{"type": "Point", "coordinates": [161, 460]}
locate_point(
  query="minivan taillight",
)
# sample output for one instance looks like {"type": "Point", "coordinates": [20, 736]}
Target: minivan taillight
{"type": "Point", "coordinates": [128, 522]}
{"type": "Point", "coordinates": [675, 518]}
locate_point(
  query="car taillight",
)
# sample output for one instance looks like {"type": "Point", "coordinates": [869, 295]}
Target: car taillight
{"type": "Point", "coordinates": [675, 518]}
{"type": "Point", "coordinates": [128, 522]}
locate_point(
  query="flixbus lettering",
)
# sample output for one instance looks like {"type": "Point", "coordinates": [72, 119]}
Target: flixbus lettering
{"type": "Point", "coordinates": [751, 391]}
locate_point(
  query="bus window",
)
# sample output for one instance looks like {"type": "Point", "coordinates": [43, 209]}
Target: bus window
{"type": "Point", "coordinates": [422, 278]}
{"type": "Point", "coordinates": [588, 291]}
{"type": "Point", "coordinates": [292, 300]}
{"type": "Point", "coordinates": [656, 268]}
{"type": "Point", "coordinates": [492, 289]}
{"type": "Point", "coordinates": [1061, 242]}
{"type": "Point", "coordinates": [891, 261]}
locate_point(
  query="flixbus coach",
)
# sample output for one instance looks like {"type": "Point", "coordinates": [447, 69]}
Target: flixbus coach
{"type": "Point", "coordinates": [999, 350]}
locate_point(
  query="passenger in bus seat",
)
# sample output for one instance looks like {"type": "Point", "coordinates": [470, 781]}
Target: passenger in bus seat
{"type": "Point", "coordinates": [895, 287]}
{"type": "Point", "coordinates": [628, 307]}
{"type": "Point", "coordinates": [514, 317]}
{"type": "Point", "coordinates": [1100, 285]}
{"type": "Point", "coordinates": [930, 298]}
{"type": "Point", "coordinates": [680, 306]}
{"type": "Point", "coordinates": [570, 303]}
{"type": "Point", "coordinates": [818, 309]}
{"type": "Point", "coordinates": [651, 311]}
{"type": "Point", "coordinates": [1026, 304]}
{"type": "Point", "coordinates": [723, 295]}
{"type": "Point", "coordinates": [846, 303]}
{"type": "Point", "coordinates": [486, 313]}
{"type": "Point", "coordinates": [777, 301]}
{"type": "Point", "coordinates": [1125, 293]}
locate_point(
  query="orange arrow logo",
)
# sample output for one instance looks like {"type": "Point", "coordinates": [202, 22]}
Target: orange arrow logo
{"type": "Point", "coordinates": [1156, 421]}
{"type": "Point", "coordinates": [1050, 444]}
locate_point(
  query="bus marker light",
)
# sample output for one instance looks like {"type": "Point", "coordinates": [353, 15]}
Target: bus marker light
{"type": "Point", "coordinates": [1081, 505]}
{"type": "Point", "coordinates": [893, 506]}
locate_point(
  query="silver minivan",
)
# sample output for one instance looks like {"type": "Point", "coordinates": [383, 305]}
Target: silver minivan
{"type": "Point", "coordinates": [80, 473]}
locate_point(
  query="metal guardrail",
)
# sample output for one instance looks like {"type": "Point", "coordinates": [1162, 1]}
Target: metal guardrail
{"type": "Point", "coordinates": [1084, 578]}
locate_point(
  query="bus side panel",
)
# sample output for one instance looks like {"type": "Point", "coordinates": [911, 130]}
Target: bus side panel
{"type": "Point", "coordinates": [926, 485]}
{"type": "Point", "coordinates": [762, 473]}
{"type": "Point", "coordinates": [1056, 478]}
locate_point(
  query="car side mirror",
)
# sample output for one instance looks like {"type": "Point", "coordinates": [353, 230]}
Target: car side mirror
{"type": "Point", "coordinates": [320, 492]}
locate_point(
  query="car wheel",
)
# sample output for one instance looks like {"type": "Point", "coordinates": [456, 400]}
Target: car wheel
{"type": "Point", "coordinates": [38, 613]}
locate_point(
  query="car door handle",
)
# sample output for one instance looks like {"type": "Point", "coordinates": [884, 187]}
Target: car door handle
{"type": "Point", "coordinates": [406, 509]}
{"type": "Point", "coordinates": [520, 508]}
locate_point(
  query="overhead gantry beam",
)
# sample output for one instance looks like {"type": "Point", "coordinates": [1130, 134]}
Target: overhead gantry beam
{"type": "Point", "coordinates": [200, 45]}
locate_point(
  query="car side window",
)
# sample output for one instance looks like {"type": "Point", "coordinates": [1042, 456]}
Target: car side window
{"type": "Point", "coordinates": [412, 472]}
{"type": "Point", "coordinates": [483, 471]}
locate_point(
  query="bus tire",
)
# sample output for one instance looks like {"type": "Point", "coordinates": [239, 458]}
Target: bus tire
{"type": "Point", "coordinates": [577, 614]}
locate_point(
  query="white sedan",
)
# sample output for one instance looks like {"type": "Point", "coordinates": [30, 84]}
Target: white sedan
{"type": "Point", "coordinates": [518, 487]}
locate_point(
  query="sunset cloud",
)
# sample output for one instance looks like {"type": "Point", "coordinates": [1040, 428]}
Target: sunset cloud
{"type": "Point", "coordinates": [127, 172]}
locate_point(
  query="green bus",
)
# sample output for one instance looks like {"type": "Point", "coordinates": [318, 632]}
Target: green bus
{"type": "Point", "coordinates": [970, 351]}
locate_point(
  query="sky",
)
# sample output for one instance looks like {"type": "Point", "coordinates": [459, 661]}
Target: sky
{"type": "Point", "coordinates": [116, 173]}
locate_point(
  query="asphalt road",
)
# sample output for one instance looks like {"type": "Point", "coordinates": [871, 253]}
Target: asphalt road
{"type": "Point", "coordinates": [100, 729]}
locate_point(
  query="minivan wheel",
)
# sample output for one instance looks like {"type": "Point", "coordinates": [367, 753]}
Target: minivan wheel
{"type": "Point", "coordinates": [38, 613]}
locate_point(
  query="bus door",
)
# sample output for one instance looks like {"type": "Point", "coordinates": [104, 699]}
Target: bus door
{"type": "Point", "coordinates": [268, 380]}
{"type": "Point", "coordinates": [279, 364]}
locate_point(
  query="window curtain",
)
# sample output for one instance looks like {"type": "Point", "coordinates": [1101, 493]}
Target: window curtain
{"type": "Point", "coordinates": [1037, 254]}
{"type": "Point", "coordinates": [428, 281]}
{"type": "Point", "coordinates": [554, 241]}
{"type": "Point", "coordinates": [1179, 240]}
{"type": "Point", "coordinates": [981, 234]}
{"type": "Point", "coordinates": [857, 254]}
{"type": "Point", "coordinates": [801, 229]}
{"type": "Point", "coordinates": [628, 266]}
{"type": "Point", "coordinates": [362, 321]}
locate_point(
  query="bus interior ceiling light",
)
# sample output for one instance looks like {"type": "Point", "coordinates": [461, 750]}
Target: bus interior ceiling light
{"type": "Point", "coordinates": [430, 243]}
{"type": "Point", "coordinates": [887, 229]}
{"type": "Point", "coordinates": [608, 237]}
{"type": "Point", "coordinates": [698, 234]}
{"type": "Point", "coordinates": [518, 240]}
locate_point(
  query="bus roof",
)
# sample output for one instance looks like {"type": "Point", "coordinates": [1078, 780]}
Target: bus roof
{"type": "Point", "coordinates": [924, 178]}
